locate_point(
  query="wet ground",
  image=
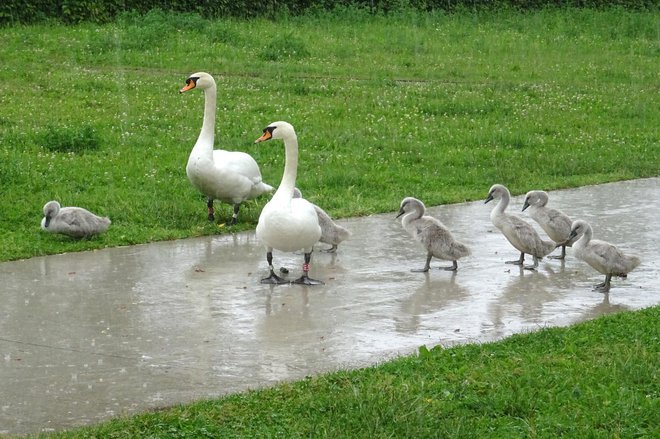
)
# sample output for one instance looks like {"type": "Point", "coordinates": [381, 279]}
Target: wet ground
{"type": "Point", "coordinates": [89, 336]}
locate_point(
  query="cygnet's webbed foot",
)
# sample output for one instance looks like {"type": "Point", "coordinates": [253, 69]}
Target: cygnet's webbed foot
{"type": "Point", "coordinates": [419, 270]}
{"type": "Point", "coordinates": [306, 280]}
{"type": "Point", "coordinates": [453, 267]}
{"type": "Point", "coordinates": [602, 287]}
{"type": "Point", "coordinates": [274, 279]}
{"type": "Point", "coordinates": [426, 268]}
{"type": "Point", "coordinates": [519, 261]}
{"type": "Point", "coordinates": [534, 266]}
{"type": "Point", "coordinates": [332, 249]}
{"type": "Point", "coordinates": [563, 253]}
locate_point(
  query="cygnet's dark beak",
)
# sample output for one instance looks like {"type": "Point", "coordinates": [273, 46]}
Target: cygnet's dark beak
{"type": "Point", "coordinates": [47, 222]}
{"type": "Point", "coordinates": [572, 235]}
{"type": "Point", "coordinates": [401, 212]}
{"type": "Point", "coordinates": [490, 198]}
{"type": "Point", "coordinates": [525, 206]}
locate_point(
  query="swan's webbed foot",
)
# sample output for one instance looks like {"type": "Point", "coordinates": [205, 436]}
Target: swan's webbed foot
{"type": "Point", "coordinates": [274, 279]}
{"type": "Point", "coordinates": [332, 249]}
{"type": "Point", "coordinates": [306, 280]}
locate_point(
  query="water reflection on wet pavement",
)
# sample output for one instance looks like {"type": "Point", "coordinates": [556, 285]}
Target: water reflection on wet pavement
{"type": "Point", "coordinates": [88, 336]}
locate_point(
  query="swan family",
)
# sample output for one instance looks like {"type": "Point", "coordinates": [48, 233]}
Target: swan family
{"type": "Point", "coordinates": [290, 223]}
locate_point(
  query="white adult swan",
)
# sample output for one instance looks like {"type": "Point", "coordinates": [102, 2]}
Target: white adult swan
{"type": "Point", "coordinates": [431, 234]}
{"type": "Point", "coordinates": [554, 222]}
{"type": "Point", "coordinates": [228, 176]}
{"type": "Point", "coordinates": [517, 231]}
{"type": "Point", "coordinates": [602, 256]}
{"type": "Point", "coordinates": [75, 222]}
{"type": "Point", "coordinates": [286, 223]}
{"type": "Point", "coordinates": [331, 232]}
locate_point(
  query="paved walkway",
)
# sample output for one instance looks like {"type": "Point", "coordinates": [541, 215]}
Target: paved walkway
{"type": "Point", "coordinates": [88, 336]}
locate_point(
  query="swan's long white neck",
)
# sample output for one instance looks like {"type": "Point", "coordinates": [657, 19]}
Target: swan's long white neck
{"type": "Point", "coordinates": [204, 143]}
{"type": "Point", "coordinates": [285, 190]}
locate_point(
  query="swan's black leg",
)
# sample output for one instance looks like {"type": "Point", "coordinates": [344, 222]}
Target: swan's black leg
{"type": "Point", "coordinates": [426, 267]}
{"type": "Point", "coordinates": [534, 265]}
{"type": "Point", "coordinates": [209, 204]}
{"type": "Point", "coordinates": [235, 214]}
{"type": "Point", "coordinates": [305, 279]}
{"type": "Point", "coordinates": [453, 267]}
{"type": "Point", "coordinates": [273, 278]}
{"type": "Point", "coordinates": [519, 261]}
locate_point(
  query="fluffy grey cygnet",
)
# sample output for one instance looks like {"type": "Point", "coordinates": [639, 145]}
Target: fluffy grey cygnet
{"type": "Point", "coordinates": [517, 231]}
{"type": "Point", "coordinates": [331, 232]}
{"type": "Point", "coordinates": [602, 256]}
{"type": "Point", "coordinates": [75, 222]}
{"type": "Point", "coordinates": [431, 234]}
{"type": "Point", "coordinates": [554, 222]}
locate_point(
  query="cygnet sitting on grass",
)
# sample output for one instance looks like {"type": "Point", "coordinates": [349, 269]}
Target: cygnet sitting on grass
{"type": "Point", "coordinates": [431, 234]}
{"type": "Point", "coordinates": [331, 232]}
{"type": "Point", "coordinates": [602, 256]}
{"type": "Point", "coordinates": [554, 222]}
{"type": "Point", "coordinates": [75, 222]}
{"type": "Point", "coordinates": [517, 231]}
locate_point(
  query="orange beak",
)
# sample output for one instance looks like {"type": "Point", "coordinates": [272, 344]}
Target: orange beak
{"type": "Point", "coordinates": [265, 136]}
{"type": "Point", "coordinates": [190, 84]}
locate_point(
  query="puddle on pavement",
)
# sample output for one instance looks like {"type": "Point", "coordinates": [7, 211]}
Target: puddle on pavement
{"type": "Point", "coordinates": [89, 336]}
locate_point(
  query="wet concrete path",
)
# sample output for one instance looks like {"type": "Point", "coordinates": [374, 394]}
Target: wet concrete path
{"type": "Point", "coordinates": [88, 336]}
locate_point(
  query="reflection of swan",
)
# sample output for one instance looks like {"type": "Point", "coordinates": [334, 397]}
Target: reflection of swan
{"type": "Point", "coordinates": [228, 176]}
{"type": "Point", "coordinates": [554, 222]}
{"type": "Point", "coordinates": [72, 221]}
{"type": "Point", "coordinates": [602, 256]}
{"type": "Point", "coordinates": [286, 223]}
{"type": "Point", "coordinates": [517, 231]}
{"type": "Point", "coordinates": [436, 239]}
{"type": "Point", "coordinates": [331, 232]}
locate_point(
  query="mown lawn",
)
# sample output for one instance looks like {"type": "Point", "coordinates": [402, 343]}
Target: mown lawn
{"type": "Point", "coordinates": [434, 106]}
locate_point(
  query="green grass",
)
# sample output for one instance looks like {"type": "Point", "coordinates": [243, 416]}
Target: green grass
{"type": "Point", "coordinates": [428, 105]}
{"type": "Point", "coordinates": [594, 380]}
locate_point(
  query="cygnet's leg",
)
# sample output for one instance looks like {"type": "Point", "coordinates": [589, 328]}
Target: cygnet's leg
{"type": "Point", "coordinates": [426, 267]}
{"type": "Point", "coordinates": [453, 267]}
{"type": "Point", "coordinates": [519, 261]}
{"type": "Point", "coordinates": [235, 214]}
{"type": "Point", "coordinates": [534, 265]}
{"type": "Point", "coordinates": [273, 278]}
{"type": "Point", "coordinates": [563, 253]}
{"type": "Point", "coordinates": [331, 249]}
{"type": "Point", "coordinates": [305, 279]}
{"type": "Point", "coordinates": [209, 204]}
{"type": "Point", "coordinates": [605, 286]}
